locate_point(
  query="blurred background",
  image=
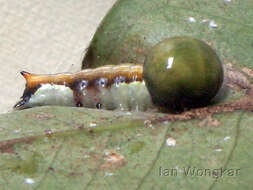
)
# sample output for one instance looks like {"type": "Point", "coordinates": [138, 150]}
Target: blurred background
{"type": "Point", "coordinates": [44, 37]}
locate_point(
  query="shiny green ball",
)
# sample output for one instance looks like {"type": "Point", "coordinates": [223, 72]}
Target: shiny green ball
{"type": "Point", "coordinates": [182, 72]}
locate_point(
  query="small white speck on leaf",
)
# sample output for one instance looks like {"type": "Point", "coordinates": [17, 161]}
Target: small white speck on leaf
{"type": "Point", "coordinates": [86, 156]}
{"type": "Point", "coordinates": [148, 123]}
{"type": "Point", "coordinates": [29, 181]}
{"type": "Point", "coordinates": [218, 150]}
{"type": "Point", "coordinates": [171, 142]}
{"type": "Point", "coordinates": [165, 122]}
{"type": "Point", "coordinates": [205, 21]}
{"type": "Point", "coordinates": [113, 157]}
{"type": "Point", "coordinates": [227, 1]}
{"type": "Point", "coordinates": [227, 138]}
{"type": "Point", "coordinates": [17, 131]}
{"type": "Point", "coordinates": [191, 19]}
{"type": "Point", "coordinates": [117, 148]}
{"type": "Point", "coordinates": [48, 132]}
{"type": "Point", "coordinates": [106, 152]}
{"type": "Point", "coordinates": [92, 148]}
{"type": "Point", "coordinates": [212, 24]}
{"type": "Point", "coordinates": [128, 113]}
{"type": "Point", "coordinates": [93, 124]}
{"type": "Point", "coordinates": [109, 174]}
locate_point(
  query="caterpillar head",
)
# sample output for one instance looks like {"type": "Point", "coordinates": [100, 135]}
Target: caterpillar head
{"type": "Point", "coordinates": [43, 90]}
{"type": "Point", "coordinates": [29, 90]}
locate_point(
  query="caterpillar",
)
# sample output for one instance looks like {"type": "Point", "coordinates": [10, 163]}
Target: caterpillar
{"type": "Point", "coordinates": [178, 73]}
{"type": "Point", "coordinates": [108, 87]}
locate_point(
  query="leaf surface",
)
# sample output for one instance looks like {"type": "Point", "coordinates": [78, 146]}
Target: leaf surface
{"type": "Point", "coordinates": [79, 148]}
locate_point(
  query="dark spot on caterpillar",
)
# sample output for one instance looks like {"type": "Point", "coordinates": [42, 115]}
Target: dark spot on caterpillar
{"type": "Point", "coordinates": [83, 84]}
{"type": "Point", "coordinates": [119, 80]}
{"type": "Point", "coordinates": [79, 104]}
{"type": "Point", "coordinates": [102, 82]}
{"type": "Point", "coordinates": [99, 106]}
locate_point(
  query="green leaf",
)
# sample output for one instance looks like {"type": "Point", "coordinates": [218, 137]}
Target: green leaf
{"type": "Point", "coordinates": [79, 148]}
{"type": "Point", "coordinates": [133, 26]}
{"type": "Point", "coordinates": [63, 148]}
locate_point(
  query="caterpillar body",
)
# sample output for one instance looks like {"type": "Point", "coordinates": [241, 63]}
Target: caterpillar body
{"type": "Point", "coordinates": [107, 87]}
{"type": "Point", "coordinates": [179, 73]}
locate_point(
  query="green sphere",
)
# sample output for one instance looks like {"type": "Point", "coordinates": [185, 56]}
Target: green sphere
{"type": "Point", "coordinates": [182, 72]}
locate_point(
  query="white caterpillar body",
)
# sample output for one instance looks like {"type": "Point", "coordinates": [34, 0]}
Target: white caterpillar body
{"type": "Point", "coordinates": [125, 91]}
{"type": "Point", "coordinates": [133, 96]}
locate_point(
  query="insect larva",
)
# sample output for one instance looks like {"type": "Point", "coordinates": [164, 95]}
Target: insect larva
{"type": "Point", "coordinates": [108, 87]}
{"type": "Point", "coordinates": [179, 73]}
